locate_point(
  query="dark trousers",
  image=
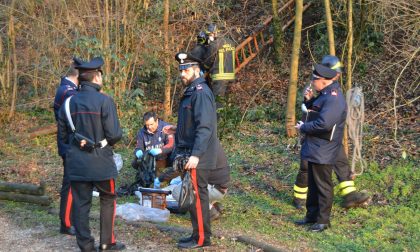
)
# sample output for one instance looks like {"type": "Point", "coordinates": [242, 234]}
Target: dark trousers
{"type": "Point", "coordinates": [341, 169]}
{"type": "Point", "coordinates": [320, 194]}
{"type": "Point", "coordinates": [66, 200]}
{"type": "Point", "coordinates": [82, 193]}
{"type": "Point", "coordinates": [200, 214]}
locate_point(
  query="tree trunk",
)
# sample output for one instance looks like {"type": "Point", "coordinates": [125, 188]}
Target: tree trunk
{"type": "Point", "coordinates": [12, 42]}
{"type": "Point", "coordinates": [294, 67]}
{"type": "Point", "coordinates": [23, 188]}
{"type": "Point", "coordinates": [330, 27]}
{"type": "Point", "coordinates": [278, 33]}
{"type": "Point", "coordinates": [41, 200]}
{"type": "Point", "coordinates": [167, 98]}
{"type": "Point", "coordinates": [349, 63]}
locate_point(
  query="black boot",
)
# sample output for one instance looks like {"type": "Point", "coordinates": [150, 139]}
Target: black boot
{"type": "Point", "coordinates": [354, 199]}
{"type": "Point", "coordinates": [113, 246]}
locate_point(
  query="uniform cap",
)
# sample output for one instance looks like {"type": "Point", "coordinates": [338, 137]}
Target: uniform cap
{"type": "Point", "coordinates": [186, 60]}
{"type": "Point", "coordinates": [321, 71]}
{"type": "Point", "coordinates": [93, 65]}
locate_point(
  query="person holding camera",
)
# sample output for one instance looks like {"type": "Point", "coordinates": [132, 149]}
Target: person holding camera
{"type": "Point", "coordinates": [89, 124]}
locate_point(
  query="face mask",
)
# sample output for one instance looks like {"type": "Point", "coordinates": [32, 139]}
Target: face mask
{"type": "Point", "coordinates": [211, 38]}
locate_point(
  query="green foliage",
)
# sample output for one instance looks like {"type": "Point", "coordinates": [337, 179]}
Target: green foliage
{"type": "Point", "coordinates": [131, 112]}
{"type": "Point", "coordinates": [229, 117]}
{"type": "Point", "coordinates": [396, 184]}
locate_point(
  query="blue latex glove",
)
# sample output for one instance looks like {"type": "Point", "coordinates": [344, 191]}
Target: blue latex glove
{"type": "Point", "coordinates": [139, 154]}
{"type": "Point", "coordinates": [155, 152]}
{"type": "Point", "coordinates": [156, 184]}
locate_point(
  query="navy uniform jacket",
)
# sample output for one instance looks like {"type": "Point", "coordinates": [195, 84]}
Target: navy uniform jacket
{"type": "Point", "coordinates": [147, 141]}
{"type": "Point", "coordinates": [65, 90]}
{"type": "Point", "coordinates": [197, 124]}
{"type": "Point", "coordinates": [332, 109]}
{"type": "Point", "coordinates": [94, 116]}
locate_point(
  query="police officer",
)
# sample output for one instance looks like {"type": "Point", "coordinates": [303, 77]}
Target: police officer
{"type": "Point", "coordinates": [67, 88]}
{"type": "Point", "coordinates": [153, 140]}
{"type": "Point", "coordinates": [323, 140]}
{"type": "Point", "coordinates": [196, 135]}
{"type": "Point", "coordinates": [88, 122]}
{"type": "Point", "coordinates": [221, 59]}
{"type": "Point", "coordinates": [351, 197]}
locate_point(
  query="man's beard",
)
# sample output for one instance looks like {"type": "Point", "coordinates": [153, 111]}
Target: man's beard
{"type": "Point", "coordinates": [187, 81]}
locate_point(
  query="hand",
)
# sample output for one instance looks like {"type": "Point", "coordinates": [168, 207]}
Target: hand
{"type": "Point", "coordinates": [308, 94]}
{"type": "Point", "coordinates": [192, 163]}
{"type": "Point", "coordinates": [156, 183]}
{"type": "Point", "coordinates": [155, 152]}
{"type": "Point", "coordinates": [139, 154]}
{"type": "Point", "coordinates": [298, 125]}
{"type": "Point", "coordinates": [169, 129]}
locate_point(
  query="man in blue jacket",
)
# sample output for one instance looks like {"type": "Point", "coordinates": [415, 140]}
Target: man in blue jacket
{"type": "Point", "coordinates": [89, 124]}
{"type": "Point", "coordinates": [323, 141]}
{"type": "Point", "coordinates": [67, 88]}
{"type": "Point", "coordinates": [151, 139]}
{"type": "Point", "coordinates": [351, 197]}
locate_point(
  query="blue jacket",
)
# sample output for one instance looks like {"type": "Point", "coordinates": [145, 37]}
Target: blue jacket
{"type": "Point", "coordinates": [197, 124]}
{"type": "Point", "coordinates": [332, 111]}
{"type": "Point", "coordinates": [65, 90]}
{"type": "Point", "coordinates": [147, 141]}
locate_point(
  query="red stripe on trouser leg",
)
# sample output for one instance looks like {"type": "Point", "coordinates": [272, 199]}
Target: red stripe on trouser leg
{"type": "Point", "coordinates": [113, 213]}
{"type": "Point", "coordinates": [68, 209]}
{"type": "Point", "coordinates": [198, 208]}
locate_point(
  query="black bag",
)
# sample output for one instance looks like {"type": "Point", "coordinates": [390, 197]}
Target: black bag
{"type": "Point", "coordinates": [187, 195]}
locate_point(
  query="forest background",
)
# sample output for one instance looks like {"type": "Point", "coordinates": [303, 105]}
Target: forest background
{"type": "Point", "coordinates": [138, 40]}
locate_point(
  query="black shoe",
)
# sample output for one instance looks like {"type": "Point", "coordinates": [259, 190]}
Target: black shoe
{"type": "Point", "coordinates": [305, 221]}
{"type": "Point", "coordinates": [318, 227]}
{"type": "Point", "coordinates": [354, 199]}
{"type": "Point", "coordinates": [299, 203]}
{"type": "Point", "coordinates": [113, 246]}
{"type": "Point", "coordinates": [192, 245]}
{"type": "Point", "coordinates": [67, 231]}
{"type": "Point", "coordinates": [185, 239]}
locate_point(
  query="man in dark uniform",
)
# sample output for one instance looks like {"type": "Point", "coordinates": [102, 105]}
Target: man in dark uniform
{"type": "Point", "coordinates": [351, 197]}
{"type": "Point", "coordinates": [153, 140]}
{"type": "Point", "coordinates": [67, 88]}
{"type": "Point", "coordinates": [323, 140]}
{"type": "Point", "coordinates": [88, 122]}
{"type": "Point", "coordinates": [196, 135]}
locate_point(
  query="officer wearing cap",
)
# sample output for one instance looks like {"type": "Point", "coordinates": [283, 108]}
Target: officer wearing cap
{"type": "Point", "coordinates": [351, 197]}
{"type": "Point", "coordinates": [196, 135]}
{"type": "Point", "coordinates": [323, 140]}
{"type": "Point", "coordinates": [67, 88]}
{"type": "Point", "coordinates": [88, 123]}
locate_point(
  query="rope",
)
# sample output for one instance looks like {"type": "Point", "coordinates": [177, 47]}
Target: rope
{"type": "Point", "coordinates": [355, 119]}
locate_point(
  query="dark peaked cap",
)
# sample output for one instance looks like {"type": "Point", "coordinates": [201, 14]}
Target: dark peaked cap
{"type": "Point", "coordinates": [186, 60]}
{"type": "Point", "coordinates": [323, 71]}
{"type": "Point", "coordinates": [93, 65]}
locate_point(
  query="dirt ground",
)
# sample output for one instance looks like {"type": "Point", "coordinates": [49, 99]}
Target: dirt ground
{"type": "Point", "coordinates": [39, 238]}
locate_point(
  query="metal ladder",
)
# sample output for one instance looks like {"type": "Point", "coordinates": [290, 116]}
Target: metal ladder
{"type": "Point", "coordinates": [253, 44]}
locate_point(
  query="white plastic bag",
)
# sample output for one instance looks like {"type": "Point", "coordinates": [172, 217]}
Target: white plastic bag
{"type": "Point", "coordinates": [118, 161]}
{"type": "Point", "coordinates": [136, 212]}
